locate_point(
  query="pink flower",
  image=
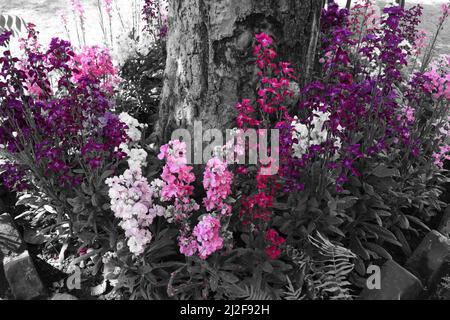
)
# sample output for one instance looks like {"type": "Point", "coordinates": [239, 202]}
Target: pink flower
{"type": "Point", "coordinates": [131, 201]}
{"type": "Point", "coordinates": [445, 8]}
{"type": "Point", "coordinates": [63, 17]}
{"type": "Point", "coordinates": [164, 151]}
{"type": "Point", "coordinates": [188, 245]}
{"type": "Point", "coordinates": [81, 251]}
{"type": "Point", "coordinates": [273, 252]}
{"type": "Point", "coordinates": [264, 39]}
{"type": "Point", "coordinates": [207, 232]}
{"type": "Point", "coordinates": [217, 180]}
{"type": "Point", "coordinates": [96, 62]}
{"type": "Point", "coordinates": [78, 8]}
{"type": "Point", "coordinates": [108, 7]}
{"type": "Point", "coordinates": [169, 191]}
{"type": "Point", "coordinates": [177, 176]}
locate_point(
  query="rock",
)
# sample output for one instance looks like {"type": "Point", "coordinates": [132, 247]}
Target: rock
{"type": "Point", "coordinates": [397, 283]}
{"type": "Point", "coordinates": [63, 296]}
{"type": "Point", "coordinates": [23, 278]}
{"type": "Point", "coordinates": [440, 282]}
{"type": "Point", "coordinates": [10, 239]}
{"type": "Point", "coordinates": [3, 282]}
{"type": "Point", "coordinates": [429, 255]}
{"type": "Point", "coordinates": [444, 227]}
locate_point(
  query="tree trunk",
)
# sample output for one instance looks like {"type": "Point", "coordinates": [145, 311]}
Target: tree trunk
{"type": "Point", "coordinates": [348, 5]}
{"type": "Point", "coordinates": [208, 66]}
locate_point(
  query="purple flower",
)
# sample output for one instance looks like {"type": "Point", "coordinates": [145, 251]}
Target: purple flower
{"type": "Point", "coordinates": [5, 37]}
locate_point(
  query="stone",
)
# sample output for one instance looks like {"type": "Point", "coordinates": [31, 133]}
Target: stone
{"type": "Point", "coordinates": [63, 296]}
{"type": "Point", "coordinates": [397, 283]}
{"type": "Point", "coordinates": [429, 255]}
{"type": "Point", "coordinates": [444, 227]}
{"type": "Point", "coordinates": [23, 277]}
{"type": "Point", "coordinates": [3, 282]}
{"type": "Point", "coordinates": [10, 239]}
{"type": "Point", "coordinates": [439, 288]}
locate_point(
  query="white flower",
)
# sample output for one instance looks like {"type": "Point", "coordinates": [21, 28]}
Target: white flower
{"type": "Point", "coordinates": [314, 134]}
{"type": "Point", "coordinates": [137, 158]}
{"type": "Point", "coordinates": [133, 124]}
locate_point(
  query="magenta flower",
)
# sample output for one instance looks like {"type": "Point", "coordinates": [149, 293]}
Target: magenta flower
{"type": "Point", "coordinates": [264, 39]}
{"type": "Point", "coordinates": [78, 8]}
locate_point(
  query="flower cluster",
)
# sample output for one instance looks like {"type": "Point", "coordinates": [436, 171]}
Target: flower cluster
{"type": "Point", "coordinates": [207, 236]}
{"type": "Point", "coordinates": [131, 201]}
{"type": "Point", "coordinates": [95, 62]}
{"type": "Point", "coordinates": [178, 177]}
{"type": "Point", "coordinates": [174, 193]}
{"type": "Point", "coordinates": [439, 75]}
{"type": "Point", "coordinates": [364, 17]}
{"type": "Point", "coordinates": [217, 181]}
{"type": "Point", "coordinates": [133, 126]}
{"type": "Point", "coordinates": [442, 141]}
{"type": "Point", "coordinates": [127, 48]}
{"type": "Point", "coordinates": [80, 20]}
{"type": "Point", "coordinates": [356, 103]}
{"type": "Point", "coordinates": [78, 8]}
{"type": "Point", "coordinates": [270, 107]}
{"type": "Point", "coordinates": [108, 7]}
{"type": "Point", "coordinates": [154, 13]}
{"type": "Point", "coordinates": [56, 131]}
{"type": "Point", "coordinates": [275, 241]}
{"type": "Point", "coordinates": [13, 178]}
{"type": "Point", "coordinates": [136, 155]}
{"type": "Point", "coordinates": [63, 17]}
{"type": "Point", "coordinates": [313, 135]}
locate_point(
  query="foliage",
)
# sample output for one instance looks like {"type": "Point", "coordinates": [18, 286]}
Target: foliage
{"type": "Point", "coordinates": [58, 134]}
{"type": "Point", "coordinates": [14, 24]}
{"type": "Point", "coordinates": [356, 169]}
{"type": "Point", "coordinates": [359, 177]}
{"type": "Point", "coordinates": [332, 271]}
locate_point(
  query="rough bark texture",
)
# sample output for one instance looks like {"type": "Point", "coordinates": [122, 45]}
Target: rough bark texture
{"type": "Point", "coordinates": [349, 4]}
{"type": "Point", "coordinates": [209, 48]}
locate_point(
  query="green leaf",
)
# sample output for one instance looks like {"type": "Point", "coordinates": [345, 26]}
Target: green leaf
{"type": "Point", "coordinates": [401, 237]}
{"type": "Point", "coordinates": [403, 221]}
{"type": "Point", "coordinates": [380, 231]}
{"type": "Point", "coordinates": [106, 174]}
{"type": "Point", "coordinates": [378, 249]}
{"type": "Point", "coordinates": [347, 202]}
{"type": "Point", "coordinates": [33, 236]}
{"type": "Point", "coordinates": [95, 200]}
{"type": "Point", "coordinates": [336, 230]}
{"type": "Point", "coordinates": [357, 247]}
{"type": "Point", "coordinates": [9, 23]}
{"type": "Point", "coordinates": [267, 267]}
{"type": "Point", "coordinates": [86, 189]}
{"type": "Point", "coordinates": [26, 199]}
{"type": "Point", "coordinates": [384, 172]}
{"type": "Point", "coordinates": [418, 222]}
{"type": "Point", "coordinates": [228, 277]}
{"type": "Point", "coordinates": [281, 206]}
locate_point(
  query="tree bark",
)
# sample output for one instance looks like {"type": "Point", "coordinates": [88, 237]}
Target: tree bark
{"type": "Point", "coordinates": [348, 4]}
{"type": "Point", "coordinates": [401, 3]}
{"type": "Point", "coordinates": [208, 66]}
